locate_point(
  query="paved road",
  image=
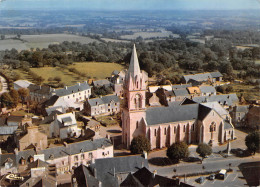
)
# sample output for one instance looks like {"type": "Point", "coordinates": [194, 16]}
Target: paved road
{"type": "Point", "coordinates": [4, 85]}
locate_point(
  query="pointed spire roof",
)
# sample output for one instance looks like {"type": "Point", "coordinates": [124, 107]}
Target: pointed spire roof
{"type": "Point", "coordinates": [134, 68]}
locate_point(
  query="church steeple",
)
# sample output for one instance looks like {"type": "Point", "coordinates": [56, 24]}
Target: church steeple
{"type": "Point", "coordinates": [134, 68]}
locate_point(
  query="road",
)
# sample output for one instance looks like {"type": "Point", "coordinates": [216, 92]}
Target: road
{"type": "Point", "coordinates": [4, 85]}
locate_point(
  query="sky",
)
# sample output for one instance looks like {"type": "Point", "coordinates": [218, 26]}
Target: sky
{"type": "Point", "coordinates": [129, 4]}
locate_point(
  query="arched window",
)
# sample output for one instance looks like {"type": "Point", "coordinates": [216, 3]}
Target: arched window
{"type": "Point", "coordinates": [154, 132]}
{"type": "Point", "coordinates": [137, 124]}
{"type": "Point", "coordinates": [138, 101]}
{"type": "Point", "coordinates": [212, 127]}
{"type": "Point", "coordinates": [165, 131]}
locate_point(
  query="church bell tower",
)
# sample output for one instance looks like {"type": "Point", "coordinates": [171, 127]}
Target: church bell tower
{"type": "Point", "coordinates": [134, 92]}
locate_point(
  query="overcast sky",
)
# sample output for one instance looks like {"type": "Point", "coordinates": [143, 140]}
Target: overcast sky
{"type": "Point", "coordinates": [130, 4]}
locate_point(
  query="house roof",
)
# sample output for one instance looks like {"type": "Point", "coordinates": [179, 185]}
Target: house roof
{"type": "Point", "coordinates": [22, 83]}
{"type": "Point", "coordinates": [225, 99]}
{"type": "Point", "coordinates": [51, 101]}
{"type": "Point", "coordinates": [44, 90]}
{"type": "Point", "coordinates": [227, 125]}
{"type": "Point", "coordinates": [72, 89]}
{"type": "Point", "coordinates": [115, 72]}
{"type": "Point", "coordinates": [207, 89]}
{"type": "Point", "coordinates": [172, 113]}
{"type": "Point", "coordinates": [103, 82]}
{"type": "Point", "coordinates": [84, 176]}
{"type": "Point", "coordinates": [131, 181]}
{"type": "Point", "coordinates": [169, 94]}
{"type": "Point", "coordinates": [242, 108]}
{"type": "Point", "coordinates": [193, 90]}
{"type": "Point", "coordinates": [7, 130]}
{"type": "Point", "coordinates": [106, 167]}
{"type": "Point", "coordinates": [50, 118]}
{"type": "Point", "coordinates": [179, 86]}
{"type": "Point", "coordinates": [217, 107]}
{"type": "Point", "coordinates": [15, 118]}
{"type": "Point", "coordinates": [216, 74]}
{"type": "Point", "coordinates": [198, 77]}
{"type": "Point", "coordinates": [181, 92]}
{"type": "Point", "coordinates": [103, 100]}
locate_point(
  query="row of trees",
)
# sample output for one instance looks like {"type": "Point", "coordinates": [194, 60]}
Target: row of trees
{"type": "Point", "coordinates": [178, 151]}
{"type": "Point", "coordinates": [12, 98]}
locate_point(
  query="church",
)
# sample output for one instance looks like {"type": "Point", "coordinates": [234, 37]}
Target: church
{"type": "Point", "coordinates": [191, 122]}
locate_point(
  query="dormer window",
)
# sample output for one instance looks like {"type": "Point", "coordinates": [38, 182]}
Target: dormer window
{"type": "Point", "coordinates": [51, 156]}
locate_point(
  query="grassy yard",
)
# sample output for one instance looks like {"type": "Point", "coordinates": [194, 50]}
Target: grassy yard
{"type": "Point", "coordinates": [250, 92]}
{"type": "Point", "coordinates": [95, 70]}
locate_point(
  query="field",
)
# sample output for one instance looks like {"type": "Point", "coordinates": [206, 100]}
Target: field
{"type": "Point", "coordinates": [147, 35]}
{"type": "Point", "coordinates": [250, 92]}
{"type": "Point", "coordinates": [94, 70]}
{"type": "Point", "coordinates": [42, 41]}
{"type": "Point", "coordinates": [257, 61]}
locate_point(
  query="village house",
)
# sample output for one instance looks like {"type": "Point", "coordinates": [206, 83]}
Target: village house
{"type": "Point", "coordinates": [39, 93]}
{"type": "Point", "coordinates": [63, 157]}
{"type": "Point", "coordinates": [105, 105]}
{"type": "Point", "coordinates": [209, 77]}
{"type": "Point", "coordinates": [192, 123]}
{"type": "Point", "coordinates": [238, 115]}
{"type": "Point", "coordinates": [21, 84]}
{"type": "Point", "coordinates": [253, 118]}
{"type": "Point", "coordinates": [207, 90]}
{"type": "Point", "coordinates": [108, 172]}
{"type": "Point", "coordinates": [117, 78]}
{"type": "Point", "coordinates": [64, 126]}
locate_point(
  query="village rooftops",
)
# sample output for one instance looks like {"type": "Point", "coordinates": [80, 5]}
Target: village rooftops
{"type": "Point", "coordinates": [104, 100]}
{"type": "Point", "coordinates": [103, 82]}
{"type": "Point", "coordinates": [180, 86]}
{"type": "Point", "coordinates": [224, 99]}
{"type": "Point", "coordinates": [207, 89]}
{"type": "Point", "coordinates": [79, 87]}
{"type": "Point", "coordinates": [181, 92]}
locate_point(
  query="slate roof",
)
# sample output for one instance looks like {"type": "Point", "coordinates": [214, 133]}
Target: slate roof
{"type": "Point", "coordinates": [103, 82]}
{"type": "Point", "coordinates": [181, 92]}
{"type": "Point", "coordinates": [22, 83]}
{"type": "Point", "coordinates": [84, 176]}
{"type": "Point", "coordinates": [51, 101]}
{"type": "Point", "coordinates": [227, 125]}
{"type": "Point", "coordinates": [14, 119]}
{"type": "Point", "coordinates": [131, 181]}
{"type": "Point", "coordinates": [44, 90]}
{"type": "Point", "coordinates": [179, 86]}
{"type": "Point", "coordinates": [106, 167]}
{"type": "Point", "coordinates": [50, 118]}
{"type": "Point", "coordinates": [7, 130]}
{"type": "Point", "coordinates": [5, 157]}
{"type": "Point", "coordinates": [103, 100]}
{"type": "Point", "coordinates": [72, 89]}
{"type": "Point", "coordinates": [217, 107]}
{"type": "Point", "coordinates": [207, 89]}
{"type": "Point", "coordinates": [75, 148]}
{"type": "Point", "coordinates": [115, 72]}
{"type": "Point", "coordinates": [172, 113]}
{"type": "Point", "coordinates": [242, 108]}
{"type": "Point", "coordinates": [216, 74]}
{"type": "Point", "coordinates": [169, 94]}
{"type": "Point", "coordinates": [225, 99]}
{"type": "Point", "coordinates": [198, 77]}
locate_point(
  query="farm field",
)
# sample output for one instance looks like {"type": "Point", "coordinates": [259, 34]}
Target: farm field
{"type": "Point", "coordinates": [114, 40]}
{"type": "Point", "coordinates": [249, 92]}
{"type": "Point", "coordinates": [147, 35]}
{"type": "Point", "coordinates": [257, 61]}
{"type": "Point", "coordinates": [42, 41]}
{"type": "Point", "coordinates": [94, 70]}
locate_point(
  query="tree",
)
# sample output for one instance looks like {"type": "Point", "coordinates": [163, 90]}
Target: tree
{"type": "Point", "coordinates": [253, 141]}
{"type": "Point", "coordinates": [23, 92]}
{"type": "Point", "coordinates": [15, 96]}
{"type": "Point", "coordinates": [203, 150]}
{"type": "Point", "coordinates": [58, 79]}
{"type": "Point", "coordinates": [140, 144]}
{"type": "Point", "coordinates": [6, 100]}
{"type": "Point", "coordinates": [178, 151]}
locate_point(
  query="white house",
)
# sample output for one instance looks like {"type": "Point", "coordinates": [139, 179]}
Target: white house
{"type": "Point", "coordinates": [64, 126]}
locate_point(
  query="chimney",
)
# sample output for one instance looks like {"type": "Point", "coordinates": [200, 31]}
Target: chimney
{"type": "Point", "coordinates": [145, 155]}
{"type": "Point", "coordinates": [154, 173]}
{"type": "Point", "coordinates": [108, 136]}
{"type": "Point", "coordinates": [16, 151]}
{"type": "Point", "coordinates": [92, 160]}
{"type": "Point", "coordinates": [79, 83]}
{"type": "Point", "coordinates": [66, 87]}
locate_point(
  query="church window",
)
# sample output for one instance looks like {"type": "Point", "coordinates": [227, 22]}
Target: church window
{"type": "Point", "coordinates": [229, 132]}
{"type": "Point", "coordinates": [184, 128]}
{"type": "Point", "coordinates": [212, 127]}
{"type": "Point", "coordinates": [137, 124]}
{"type": "Point", "coordinates": [154, 132]}
{"type": "Point", "coordinates": [174, 130]}
{"type": "Point", "coordinates": [165, 131]}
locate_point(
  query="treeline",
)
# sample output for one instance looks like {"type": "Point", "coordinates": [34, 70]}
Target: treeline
{"type": "Point", "coordinates": [157, 57]}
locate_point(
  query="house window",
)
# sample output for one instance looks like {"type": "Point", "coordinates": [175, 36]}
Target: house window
{"type": "Point", "coordinates": [76, 158]}
{"type": "Point", "coordinates": [90, 155]}
{"type": "Point", "coordinates": [154, 132]}
{"type": "Point", "coordinates": [63, 163]}
{"type": "Point", "coordinates": [76, 164]}
{"type": "Point", "coordinates": [165, 131]}
{"type": "Point", "coordinates": [108, 104]}
{"type": "Point", "coordinates": [68, 97]}
{"type": "Point", "coordinates": [115, 103]}
{"type": "Point", "coordinates": [73, 95]}
{"type": "Point", "coordinates": [228, 132]}
{"type": "Point", "coordinates": [82, 156]}
{"type": "Point", "coordinates": [103, 153]}
{"type": "Point", "coordinates": [108, 110]}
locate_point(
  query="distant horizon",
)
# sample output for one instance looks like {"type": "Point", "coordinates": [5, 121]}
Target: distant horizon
{"type": "Point", "coordinates": [130, 5]}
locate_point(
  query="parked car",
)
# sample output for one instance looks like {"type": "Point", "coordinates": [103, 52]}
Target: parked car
{"type": "Point", "coordinates": [212, 177]}
{"type": "Point", "coordinates": [222, 174]}
{"type": "Point", "coordinates": [200, 180]}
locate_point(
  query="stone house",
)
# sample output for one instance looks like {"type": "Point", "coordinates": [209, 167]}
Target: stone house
{"type": "Point", "coordinates": [202, 77]}
{"type": "Point", "coordinates": [253, 117]}
{"type": "Point", "coordinates": [21, 84]}
{"type": "Point", "coordinates": [62, 157]}
{"type": "Point", "coordinates": [39, 93]}
{"type": "Point", "coordinates": [64, 126]}
{"type": "Point", "coordinates": [109, 104]}
{"type": "Point", "coordinates": [192, 123]}
{"type": "Point", "coordinates": [238, 114]}
{"type": "Point", "coordinates": [33, 139]}
{"type": "Point", "coordinates": [207, 90]}
{"type": "Point", "coordinates": [117, 78]}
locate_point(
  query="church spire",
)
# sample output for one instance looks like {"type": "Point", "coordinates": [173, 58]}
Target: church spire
{"type": "Point", "coordinates": [134, 68]}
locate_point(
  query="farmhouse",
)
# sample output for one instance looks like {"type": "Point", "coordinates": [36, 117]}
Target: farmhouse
{"type": "Point", "coordinates": [202, 77]}
{"type": "Point", "coordinates": [192, 123]}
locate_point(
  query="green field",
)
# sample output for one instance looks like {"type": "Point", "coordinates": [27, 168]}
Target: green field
{"type": "Point", "coordinates": [94, 70]}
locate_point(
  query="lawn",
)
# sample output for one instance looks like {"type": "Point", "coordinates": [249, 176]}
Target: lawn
{"type": "Point", "coordinates": [95, 70]}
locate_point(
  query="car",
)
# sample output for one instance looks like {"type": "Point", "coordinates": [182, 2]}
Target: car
{"type": "Point", "coordinates": [212, 177]}
{"type": "Point", "coordinates": [200, 180]}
